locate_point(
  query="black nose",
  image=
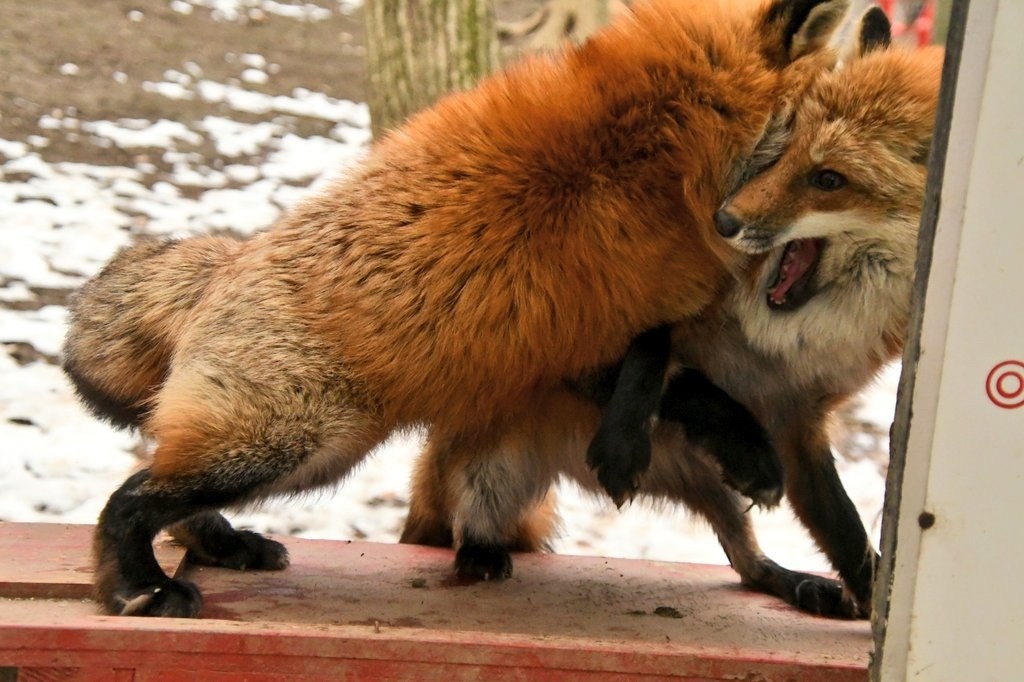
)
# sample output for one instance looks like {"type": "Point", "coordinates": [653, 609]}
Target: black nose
{"type": "Point", "coordinates": [727, 224]}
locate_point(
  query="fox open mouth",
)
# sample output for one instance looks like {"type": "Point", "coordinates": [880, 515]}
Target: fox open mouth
{"type": "Point", "coordinates": [791, 287]}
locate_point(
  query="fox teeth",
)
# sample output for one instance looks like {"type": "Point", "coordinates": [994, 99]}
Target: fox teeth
{"type": "Point", "coordinates": [787, 264]}
{"type": "Point", "coordinates": [782, 274]}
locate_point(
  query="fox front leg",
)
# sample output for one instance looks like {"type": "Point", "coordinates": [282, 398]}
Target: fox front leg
{"type": "Point", "coordinates": [728, 432]}
{"type": "Point", "coordinates": [621, 450]}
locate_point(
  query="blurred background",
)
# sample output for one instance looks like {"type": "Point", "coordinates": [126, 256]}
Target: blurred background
{"type": "Point", "coordinates": [173, 117]}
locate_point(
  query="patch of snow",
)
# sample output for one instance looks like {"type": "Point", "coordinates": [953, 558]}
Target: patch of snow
{"type": "Point", "coordinates": [169, 90]}
{"type": "Point", "coordinates": [304, 158]}
{"type": "Point", "coordinates": [16, 291]}
{"type": "Point", "coordinates": [48, 122]}
{"type": "Point", "coordinates": [127, 133]}
{"type": "Point", "coordinates": [301, 103]}
{"type": "Point", "coordinates": [13, 150]}
{"type": "Point", "coordinates": [241, 174]}
{"type": "Point", "coordinates": [179, 77]}
{"type": "Point", "coordinates": [254, 61]}
{"type": "Point", "coordinates": [255, 76]}
{"type": "Point", "coordinates": [235, 139]}
{"type": "Point", "coordinates": [43, 329]}
{"type": "Point", "coordinates": [238, 10]}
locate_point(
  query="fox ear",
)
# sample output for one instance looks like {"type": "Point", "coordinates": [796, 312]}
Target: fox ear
{"type": "Point", "coordinates": [802, 26]}
{"type": "Point", "coordinates": [874, 32]}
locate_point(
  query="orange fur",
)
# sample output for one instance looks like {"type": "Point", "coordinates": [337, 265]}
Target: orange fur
{"type": "Point", "coordinates": [525, 231]}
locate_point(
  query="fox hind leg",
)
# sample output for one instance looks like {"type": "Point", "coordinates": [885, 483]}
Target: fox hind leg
{"type": "Point", "coordinates": [431, 513]}
{"type": "Point", "coordinates": [429, 521]}
{"type": "Point", "coordinates": [693, 478]}
{"type": "Point", "coordinates": [493, 498]}
{"type": "Point", "coordinates": [211, 454]}
{"type": "Point", "coordinates": [128, 579]}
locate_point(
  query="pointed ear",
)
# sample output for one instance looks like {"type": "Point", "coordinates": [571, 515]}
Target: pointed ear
{"type": "Point", "coordinates": [800, 27]}
{"type": "Point", "coordinates": [874, 32]}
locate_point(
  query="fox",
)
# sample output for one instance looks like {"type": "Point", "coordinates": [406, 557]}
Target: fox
{"type": "Point", "coordinates": [831, 226]}
{"type": "Point", "coordinates": [507, 238]}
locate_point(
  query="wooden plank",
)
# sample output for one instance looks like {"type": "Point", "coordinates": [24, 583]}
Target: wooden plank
{"type": "Point", "coordinates": [54, 560]}
{"type": "Point", "coordinates": [350, 610]}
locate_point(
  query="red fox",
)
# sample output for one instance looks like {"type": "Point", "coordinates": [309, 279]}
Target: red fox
{"type": "Point", "coordinates": [832, 225]}
{"type": "Point", "coordinates": [500, 242]}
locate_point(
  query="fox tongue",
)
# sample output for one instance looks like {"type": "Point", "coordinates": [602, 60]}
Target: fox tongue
{"type": "Point", "coordinates": [800, 255]}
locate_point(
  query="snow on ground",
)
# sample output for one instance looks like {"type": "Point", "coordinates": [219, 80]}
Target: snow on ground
{"type": "Point", "coordinates": [59, 222]}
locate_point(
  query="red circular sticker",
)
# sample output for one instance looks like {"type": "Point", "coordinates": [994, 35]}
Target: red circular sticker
{"type": "Point", "coordinates": [1005, 384]}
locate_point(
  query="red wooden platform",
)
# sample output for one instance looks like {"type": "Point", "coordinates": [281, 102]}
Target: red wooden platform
{"type": "Point", "coordinates": [363, 611]}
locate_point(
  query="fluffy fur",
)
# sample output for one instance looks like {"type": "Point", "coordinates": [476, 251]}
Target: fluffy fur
{"type": "Point", "coordinates": [871, 123]}
{"type": "Point", "coordinates": [506, 239]}
{"type": "Point", "coordinates": [791, 365]}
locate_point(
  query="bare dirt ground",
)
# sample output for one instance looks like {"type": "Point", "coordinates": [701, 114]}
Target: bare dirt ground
{"type": "Point", "coordinates": [143, 38]}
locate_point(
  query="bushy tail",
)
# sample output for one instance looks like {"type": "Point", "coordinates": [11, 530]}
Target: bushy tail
{"type": "Point", "coordinates": [126, 321]}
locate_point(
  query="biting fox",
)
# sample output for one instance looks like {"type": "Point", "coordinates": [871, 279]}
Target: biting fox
{"type": "Point", "coordinates": [500, 242]}
{"type": "Point", "coordinates": [839, 215]}
{"type": "Point", "coordinates": [832, 230]}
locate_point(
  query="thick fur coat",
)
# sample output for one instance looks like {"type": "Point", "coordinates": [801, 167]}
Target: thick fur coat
{"type": "Point", "coordinates": [502, 241]}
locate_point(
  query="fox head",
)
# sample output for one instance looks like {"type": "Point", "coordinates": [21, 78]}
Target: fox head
{"type": "Point", "coordinates": [837, 212]}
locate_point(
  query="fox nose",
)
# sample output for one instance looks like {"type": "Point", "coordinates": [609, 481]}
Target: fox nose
{"type": "Point", "coordinates": [727, 224]}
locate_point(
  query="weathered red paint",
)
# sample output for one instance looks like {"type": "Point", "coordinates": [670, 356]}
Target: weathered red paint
{"type": "Point", "coordinates": [361, 611]}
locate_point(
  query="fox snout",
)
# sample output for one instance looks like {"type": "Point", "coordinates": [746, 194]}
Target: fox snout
{"type": "Point", "coordinates": [750, 235]}
{"type": "Point", "coordinates": [727, 224]}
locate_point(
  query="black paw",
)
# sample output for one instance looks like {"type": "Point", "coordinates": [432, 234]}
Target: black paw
{"type": "Point", "coordinates": [813, 594]}
{"type": "Point", "coordinates": [825, 597]}
{"type": "Point", "coordinates": [483, 562]}
{"type": "Point", "coordinates": [753, 469]}
{"type": "Point", "coordinates": [619, 460]}
{"type": "Point", "coordinates": [242, 550]}
{"type": "Point", "coordinates": [169, 599]}
{"type": "Point", "coordinates": [860, 584]}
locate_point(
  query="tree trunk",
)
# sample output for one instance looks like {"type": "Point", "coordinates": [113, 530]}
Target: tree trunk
{"type": "Point", "coordinates": [417, 50]}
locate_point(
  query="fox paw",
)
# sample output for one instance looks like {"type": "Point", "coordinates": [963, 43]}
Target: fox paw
{"type": "Point", "coordinates": [619, 460]}
{"type": "Point", "coordinates": [169, 599]}
{"type": "Point", "coordinates": [825, 597]}
{"type": "Point", "coordinates": [483, 562]}
{"type": "Point", "coordinates": [755, 471]}
{"type": "Point", "coordinates": [245, 551]}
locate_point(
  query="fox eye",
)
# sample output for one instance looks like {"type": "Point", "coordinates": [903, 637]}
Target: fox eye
{"type": "Point", "coordinates": [827, 180]}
